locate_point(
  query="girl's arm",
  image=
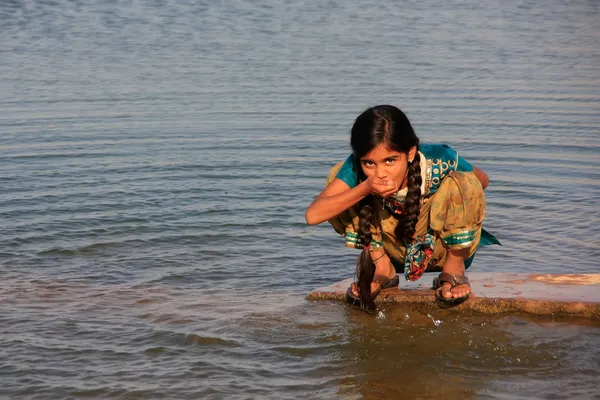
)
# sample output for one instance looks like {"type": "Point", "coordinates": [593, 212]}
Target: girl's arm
{"type": "Point", "coordinates": [336, 198]}
{"type": "Point", "coordinates": [482, 176]}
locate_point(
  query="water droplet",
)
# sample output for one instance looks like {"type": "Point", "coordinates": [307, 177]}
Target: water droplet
{"type": "Point", "coordinates": [518, 359]}
{"type": "Point", "coordinates": [436, 322]}
{"type": "Point", "coordinates": [381, 316]}
{"type": "Point", "coordinates": [406, 316]}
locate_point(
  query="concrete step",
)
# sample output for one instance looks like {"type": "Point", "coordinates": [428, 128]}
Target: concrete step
{"type": "Point", "coordinates": [561, 295]}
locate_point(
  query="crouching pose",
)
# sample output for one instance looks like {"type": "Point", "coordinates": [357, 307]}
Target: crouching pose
{"type": "Point", "coordinates": [410, 207]}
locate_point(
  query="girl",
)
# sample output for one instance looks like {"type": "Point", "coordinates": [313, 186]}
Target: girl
{"type": "Point", "coordinates": [409, 206]}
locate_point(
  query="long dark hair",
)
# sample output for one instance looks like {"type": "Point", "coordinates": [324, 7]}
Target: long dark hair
{"type": "Point", "coordinates": [377, 125]}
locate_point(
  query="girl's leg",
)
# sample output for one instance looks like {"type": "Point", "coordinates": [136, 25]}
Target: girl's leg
{"type": "Point", "coordinates": [455, 265]}
{"type": "Point", "coordinates": [456, 213]}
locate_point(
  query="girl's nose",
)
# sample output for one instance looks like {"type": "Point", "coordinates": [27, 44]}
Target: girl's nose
{"type": "Point", "coordinates": [381, 173]}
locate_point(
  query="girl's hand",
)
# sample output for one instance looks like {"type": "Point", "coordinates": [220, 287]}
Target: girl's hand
{"type": "Point", "coordinates": [381, 187]}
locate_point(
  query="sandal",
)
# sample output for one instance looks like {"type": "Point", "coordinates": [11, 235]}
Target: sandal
{"type": "Point", "coordinates": [384, 283]}
{"type": "Point", "coordinates": [453, 280]}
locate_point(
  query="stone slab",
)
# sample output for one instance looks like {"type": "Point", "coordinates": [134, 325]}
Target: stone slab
{"type": "Point", "coordinates": [564, 295]}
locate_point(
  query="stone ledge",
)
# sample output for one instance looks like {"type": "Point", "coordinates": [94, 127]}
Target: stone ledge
{"type": "Point", "coordinates": [560, 295]}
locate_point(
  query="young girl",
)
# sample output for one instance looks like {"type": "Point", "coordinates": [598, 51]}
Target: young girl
{"type": "Point", "coordinates": [409, 206]}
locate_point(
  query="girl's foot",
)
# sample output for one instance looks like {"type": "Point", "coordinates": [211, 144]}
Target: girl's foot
{"type": "Point", "coordinates": [455, 265]}
{"type": "Point", "coordinates": [461, 290]}
{"type": "Point", "coordinates": [440, 285]}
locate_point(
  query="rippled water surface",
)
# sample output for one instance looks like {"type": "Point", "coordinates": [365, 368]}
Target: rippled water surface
{"type": "Point", "coordinates": [156, 160]}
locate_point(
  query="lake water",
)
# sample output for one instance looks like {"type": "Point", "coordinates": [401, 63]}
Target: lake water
{"type": "Point", "coordinates": [157, 157]}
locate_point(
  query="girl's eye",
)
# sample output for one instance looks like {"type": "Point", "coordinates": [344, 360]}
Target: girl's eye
{"type": "Point", "coordinates": [368, 163]}
{"type": "Point", "coordinates": [390, 160]}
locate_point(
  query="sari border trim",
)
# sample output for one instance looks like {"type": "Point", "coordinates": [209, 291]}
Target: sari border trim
{"type": "Point", "coordinates": [460, 239]}
{"type": "Point", "coordinates": [353, 241]}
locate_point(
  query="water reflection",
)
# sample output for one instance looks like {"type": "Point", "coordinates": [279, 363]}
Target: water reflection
{"type": "Point", "coordinates": [465, 357]}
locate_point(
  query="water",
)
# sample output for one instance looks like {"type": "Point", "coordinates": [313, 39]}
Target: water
{"type": "Point", "coordinates": [156, 159]}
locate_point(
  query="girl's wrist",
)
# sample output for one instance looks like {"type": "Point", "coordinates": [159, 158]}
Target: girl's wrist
{"type": "Point", "coordinates": [364, 189]}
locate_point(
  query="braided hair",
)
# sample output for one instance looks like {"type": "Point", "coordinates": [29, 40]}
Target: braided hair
{"type": "Point", "coordinates": [365, 267]}
{"type": "Point", "coordinates": [384, 124]}
{"type": "Point", "coordinates": [405, 230]}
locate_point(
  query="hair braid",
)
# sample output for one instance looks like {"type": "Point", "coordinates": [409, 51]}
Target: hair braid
{"type": "Point", "coordinates": [412, 205]}
{"type": "Point", "coordinates": [365, 268]}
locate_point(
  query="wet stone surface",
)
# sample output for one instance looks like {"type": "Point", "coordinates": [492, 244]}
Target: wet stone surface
{"type": "Point", "coordinates": [576, 295]}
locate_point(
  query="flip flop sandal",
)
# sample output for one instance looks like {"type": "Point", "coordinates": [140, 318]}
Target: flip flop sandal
{"type": "Point", "coordinates": [453, 280]}
{"type": "Point", "coordinates": [384, 283]}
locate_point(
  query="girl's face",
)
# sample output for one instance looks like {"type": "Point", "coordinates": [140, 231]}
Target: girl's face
{"type": "Point", "coordinates": [385, 163]}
